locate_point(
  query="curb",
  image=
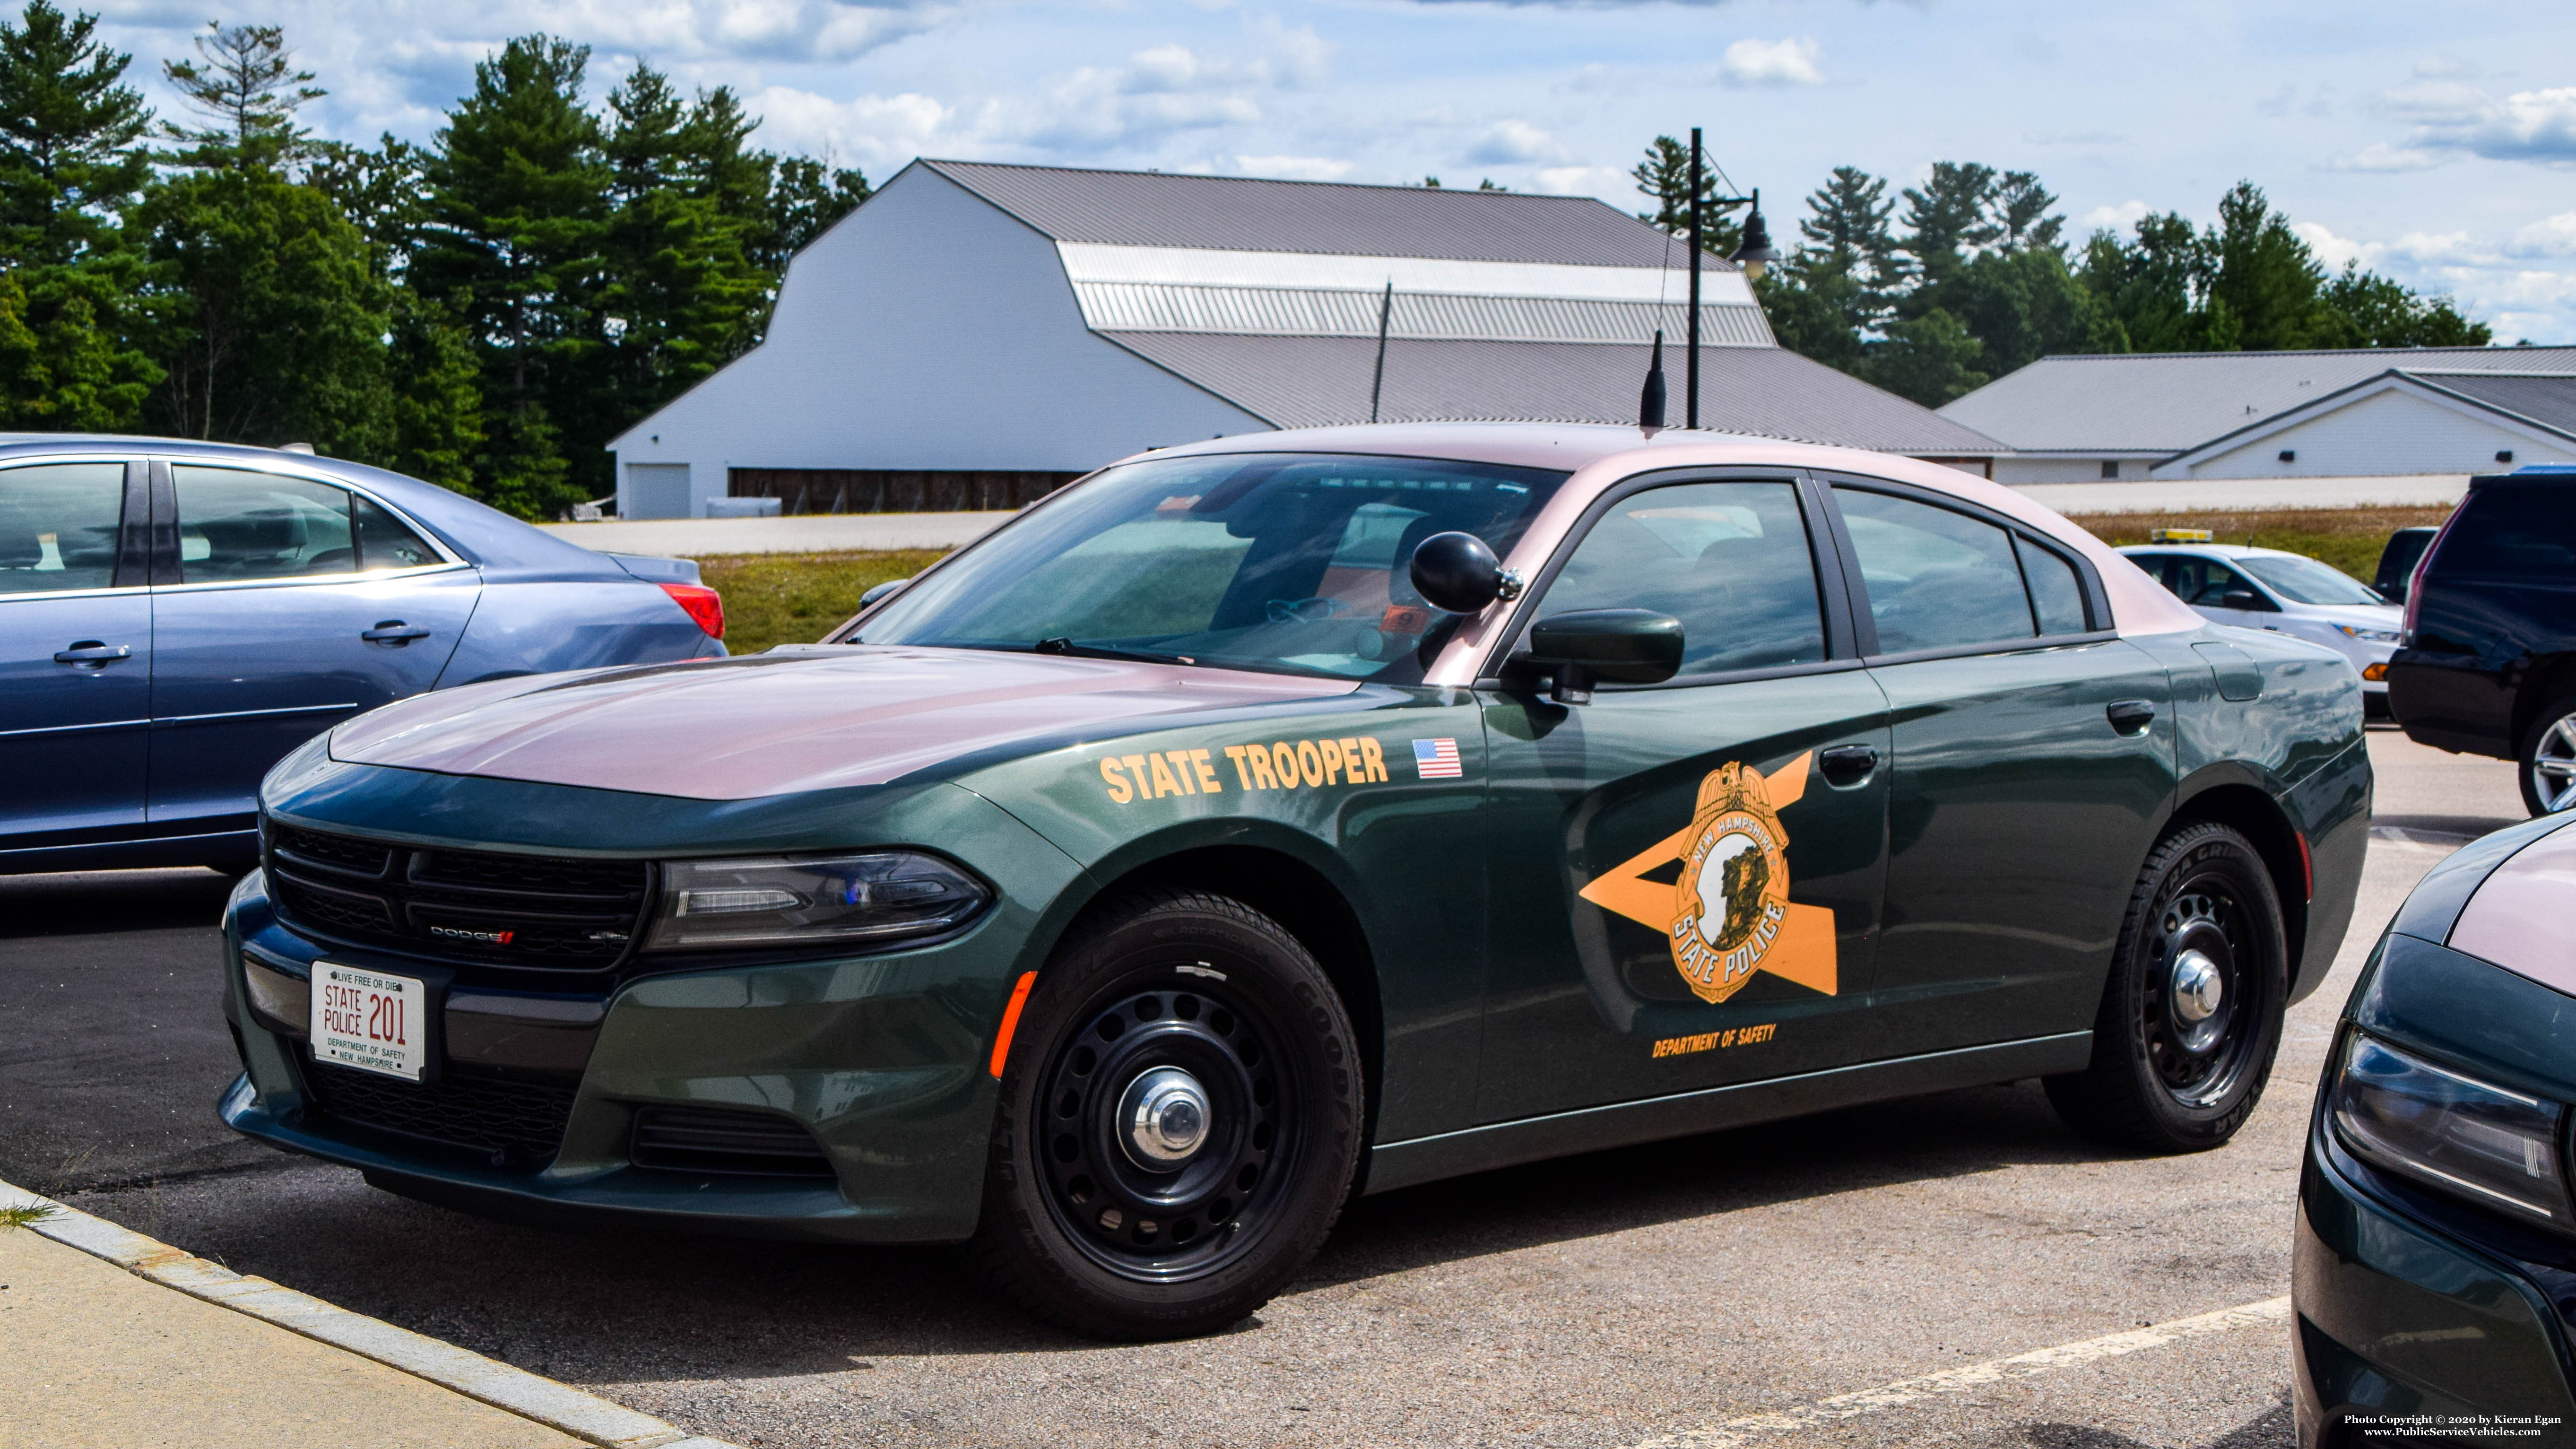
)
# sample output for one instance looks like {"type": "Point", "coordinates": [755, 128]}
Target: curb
{"type": "Point", "coordinates": [557, 1406]}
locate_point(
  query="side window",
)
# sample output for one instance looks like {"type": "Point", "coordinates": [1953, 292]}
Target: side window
{"type": "Point", "coordinates": [241, 525]}
{"type": "Point", "coordinates": [1730, 560]}
{"type": "Point", "coordinates": [2056, 593]}
{"type": "Point", "coordinates": [2206, 583]}
{"type": "Point", "coordinates": [1937, 579]}
{"type": "Point", "coordinates": [386, 542]}
{"type": "Point", "coordinates": [2158, 566]}
{"type": "Point", "coordinates": [58, 525]}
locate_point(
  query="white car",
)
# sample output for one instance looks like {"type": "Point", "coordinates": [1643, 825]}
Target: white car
{"type": "Point", "coordinates": [2287, 593]}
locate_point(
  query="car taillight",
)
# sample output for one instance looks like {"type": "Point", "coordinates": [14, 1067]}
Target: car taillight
{"type": "Point", "coordinates": [703, 604]}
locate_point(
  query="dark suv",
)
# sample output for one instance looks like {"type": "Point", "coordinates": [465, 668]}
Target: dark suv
{"type": "Point", "coordinates": [2489, 662]}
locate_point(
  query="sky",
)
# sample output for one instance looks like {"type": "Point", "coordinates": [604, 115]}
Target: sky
{"type": "Point", "coordinates": [2434, 143]}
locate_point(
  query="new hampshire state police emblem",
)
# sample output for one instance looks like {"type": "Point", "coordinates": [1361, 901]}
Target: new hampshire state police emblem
{"type": "Point", "coordinates": [1734, 891]}
{"type": "Point", "coordinates": [1729, 916]}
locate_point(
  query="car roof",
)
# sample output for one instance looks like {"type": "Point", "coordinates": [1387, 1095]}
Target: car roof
{"type": "Point", "coordinates": [2211, 550]}
{"type": "Point", "coordinates": [505, 548]}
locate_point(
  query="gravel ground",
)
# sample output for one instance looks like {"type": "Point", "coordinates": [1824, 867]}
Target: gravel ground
{"type": "Point", "coordinates": [1606, 1300]}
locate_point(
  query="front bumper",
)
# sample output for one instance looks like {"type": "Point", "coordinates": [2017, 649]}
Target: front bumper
{"type": "Point", "coordinates": [881, 1058]}
{"type": "Point", "coordinates": [2398, 1317]}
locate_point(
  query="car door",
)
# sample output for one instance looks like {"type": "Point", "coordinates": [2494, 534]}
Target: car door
{"type": "Point", "coordinates": [75, 653]}
{"type": "Point", "coordinates": [282, 604]}
{"type": "Point", "coordinates": [1686, 876]}
{"type": "Point", "coordinates": [2033, 762]}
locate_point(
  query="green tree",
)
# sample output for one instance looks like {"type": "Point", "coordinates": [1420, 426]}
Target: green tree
{"type": "Point", "coordinates": [1664, 175]}
{"type": "Point", "coordinates": [274, 311]}
{"type": "Point", "coordinates": [70, 165]}
{"type": "Point", "coordinates": [1931, 359]}
{"type": "Point", "coordinates": [2142, 290]}
{"type": "Point", "coordinates": [436, 394]}
{"type": "Point", "coordinates": [2269, 281]}
{"type": "Point", "coordinates": [517, 210]}
{"type": "Point", "coordinates": [807, 196]}
{"type": "Point", "coordinates": [2373, 311]}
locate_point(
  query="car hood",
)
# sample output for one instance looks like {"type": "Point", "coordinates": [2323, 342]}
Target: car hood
{"type": "Point", "coordinates": [769, 724]}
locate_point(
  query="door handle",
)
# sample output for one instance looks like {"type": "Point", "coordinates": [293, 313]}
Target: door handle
{"type": "Point", "coordinates": [92, 653]}
{"type": "Point", "coordinates": [394, 631]}
{"type": "Point", "coordinates": [2130, 716]}
{"type": "Point", "coordinates": [1848, 765]}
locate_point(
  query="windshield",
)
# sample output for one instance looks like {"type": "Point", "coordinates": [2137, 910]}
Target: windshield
{"type": "Point", "coordinates": [2306, 581]}
{"type": "Point", "coordinates": [1273, 561]}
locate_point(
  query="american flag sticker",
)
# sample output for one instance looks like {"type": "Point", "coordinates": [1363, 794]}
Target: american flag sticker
{"type": "Point", "coordinates": [1436, 759]}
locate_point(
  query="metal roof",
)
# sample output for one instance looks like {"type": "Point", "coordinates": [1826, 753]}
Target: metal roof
{"type": "Point", "coordinates": [1766, 392]}
{"type": "Point", "coordinates": [1158, 209]}
{"type": "Point", "coordinates": [2548, 401]}
{"type": "Point", "coordinates": [2168, 402]}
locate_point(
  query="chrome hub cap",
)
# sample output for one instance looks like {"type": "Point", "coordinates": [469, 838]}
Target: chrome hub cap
{"type": "Point", "coordinates": [1165, 1112]}
{"type": "Point", "coordinates": [2553, 766]}
{"type": "Point", "coordinates": [2199, 990]}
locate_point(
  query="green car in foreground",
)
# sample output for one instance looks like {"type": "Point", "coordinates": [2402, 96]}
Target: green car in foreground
{"type": "Point", "coordinates": [1259, 822]}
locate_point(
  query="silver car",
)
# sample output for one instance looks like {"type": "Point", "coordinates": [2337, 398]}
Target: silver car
{"type": "Point", "coordinates": [2287, 593]}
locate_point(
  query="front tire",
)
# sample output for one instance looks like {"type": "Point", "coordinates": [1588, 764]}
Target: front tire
{"type": "Point", "coordinates": [1179, 1122]}
{"type": "Point", "coordinates": [2191, 1015]}
{"type": "Point", "coordinates": [2546, 763]}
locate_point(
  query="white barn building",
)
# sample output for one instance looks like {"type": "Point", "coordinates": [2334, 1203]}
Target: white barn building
{"type": "Point", "coordinates": [2346, 414]}
{"type": "Point", "coordinates": [976, 334]}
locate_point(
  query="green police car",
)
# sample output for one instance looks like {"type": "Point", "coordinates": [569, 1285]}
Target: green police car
{"type": "Point", "coordinates": [1260, 822]}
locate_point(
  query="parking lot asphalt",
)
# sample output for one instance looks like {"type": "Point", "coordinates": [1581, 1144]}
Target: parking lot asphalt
{"type": "Point", "coordinates": [1658, 1294]}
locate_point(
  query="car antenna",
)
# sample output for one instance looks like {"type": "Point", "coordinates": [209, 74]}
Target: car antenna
{"type": "Point", "coordinates": [1650, 403]}
{"type": "Point", "coordinates": [1385, 310]}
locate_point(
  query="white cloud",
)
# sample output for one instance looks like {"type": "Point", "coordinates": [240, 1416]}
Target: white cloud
{"type": "Point", "coordinates": [2116, 218]}
{"type": "Point", "coordinates": [2450, 116]}
{"type": "Point", "coordinates": [2380, 156]}
{"type": "Point", "coordinates": [1751, 62]}
{"type": "Point", "coordinates": [1512, 143]}
{"type": "Point", "coordinates": [1295, 168]}
{"type": "Point", "coordinates": [2554, 237]}
{"type": "Point", "coordinates": [1579, 180]}
{"type": "Point", "coordinates": [880, 133]}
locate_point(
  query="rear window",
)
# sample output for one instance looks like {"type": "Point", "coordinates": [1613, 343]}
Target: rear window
{"type": "Point", "coordinates": [2512, 533]}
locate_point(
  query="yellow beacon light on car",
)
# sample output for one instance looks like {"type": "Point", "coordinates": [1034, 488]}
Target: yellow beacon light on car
{"type": "Point", "coordinates": [2182, 535]}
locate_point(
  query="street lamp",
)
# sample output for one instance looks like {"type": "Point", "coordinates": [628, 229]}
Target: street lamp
{"type": "Point", "coordinates": [1753, 254]}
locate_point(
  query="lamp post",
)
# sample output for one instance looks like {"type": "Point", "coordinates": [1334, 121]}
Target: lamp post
{"type": "Point", "coordinates": [1752, 253]}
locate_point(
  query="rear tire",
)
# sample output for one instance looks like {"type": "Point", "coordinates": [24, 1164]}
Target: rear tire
{"type": "Point", "coordinates": [1169, 1002]}
{"type": "Point", "coordinates": [2546, 763]}
{"type": "Point", "coordinates": [2179, 1063]}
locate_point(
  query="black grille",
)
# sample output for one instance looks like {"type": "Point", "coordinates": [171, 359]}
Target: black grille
{"type": "Point", "coordinates": [523, 1121]}
{"type": "Point", "coordinates": [546, 912]}
{"type": "Point", "coordinates": [745, 1143]}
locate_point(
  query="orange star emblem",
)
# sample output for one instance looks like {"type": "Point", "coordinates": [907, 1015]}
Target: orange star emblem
{"type": "Point", "coordinates": [1729, 915]}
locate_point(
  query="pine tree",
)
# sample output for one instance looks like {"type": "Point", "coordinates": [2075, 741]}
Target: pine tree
{"type": "Point", "coordinates": [2269, 280]}
{"type": "Point", "coordinates": [1949, 216]}
{"type": "Point", "coordinates": [807, 196]}
{"type": "Point", "coordinates": [1665, 176]}
{"type": "Point", "coordinates": [70, 165]}
{"type": "Point", "coordinates": [275, 313]}
{"type": "Point", "coordinates": [517, 210]}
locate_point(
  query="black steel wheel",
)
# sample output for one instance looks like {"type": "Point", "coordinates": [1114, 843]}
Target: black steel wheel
{"type": "Point", "coordinates": [1179, 1122]}
{"type": "Point", "coordinates": [2548, 760]}
{"type": "Point", "coordinates": [2191, 1014]}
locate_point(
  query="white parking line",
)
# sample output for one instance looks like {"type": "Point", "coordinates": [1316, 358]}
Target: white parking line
{"type": "Point", "coordinates": [1746, 1430]}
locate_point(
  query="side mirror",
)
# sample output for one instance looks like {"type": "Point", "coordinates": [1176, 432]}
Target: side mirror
{"type": "Point", "coordinates": [1623, 646]}
{"type": "Point", "coordinates": [1457, 573]}
{"type": "Point", "coordinates": [879, 591]}
{"type": "Point", "coordinates": [2245, 599]}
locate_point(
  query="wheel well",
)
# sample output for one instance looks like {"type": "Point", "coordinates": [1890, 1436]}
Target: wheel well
{"type": "Point", "coordinates": [1303, 900]}
{"type": "Point", "coordinates": [2548, 680]}
{"type": "Point", "coordinates": [2254, 815]}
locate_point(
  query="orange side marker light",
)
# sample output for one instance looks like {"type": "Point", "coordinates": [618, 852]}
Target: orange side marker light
{"type": "Point", "coordinates": [1011, 1020]}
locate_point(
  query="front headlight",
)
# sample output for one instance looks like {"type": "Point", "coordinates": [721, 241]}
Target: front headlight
{"type": "Point", "coordinates": [2369, 636]}
{"type": "Point", "coordinates": [777, 901]}
{"type": "Point", "coordinates": [2482, 1142]}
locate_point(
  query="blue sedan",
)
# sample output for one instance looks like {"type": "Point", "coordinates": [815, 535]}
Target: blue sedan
{"type": "Point", "coordinates": [175, 617]}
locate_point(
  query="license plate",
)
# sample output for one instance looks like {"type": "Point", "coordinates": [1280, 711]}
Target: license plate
{"type": "Point", "coordinates": [370, 1020]}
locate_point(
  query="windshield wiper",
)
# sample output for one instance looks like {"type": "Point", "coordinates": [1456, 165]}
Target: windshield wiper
{"type": "Point", "coordinates": [1062, 645]}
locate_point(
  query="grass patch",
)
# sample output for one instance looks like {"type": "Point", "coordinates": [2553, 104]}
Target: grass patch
{"type": "Point", "coordinates": [24, 1215]}
{"type": "Point", "coordinates": [2348, 538]}
{"type": "Point", "coordinates": [797, 598]}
